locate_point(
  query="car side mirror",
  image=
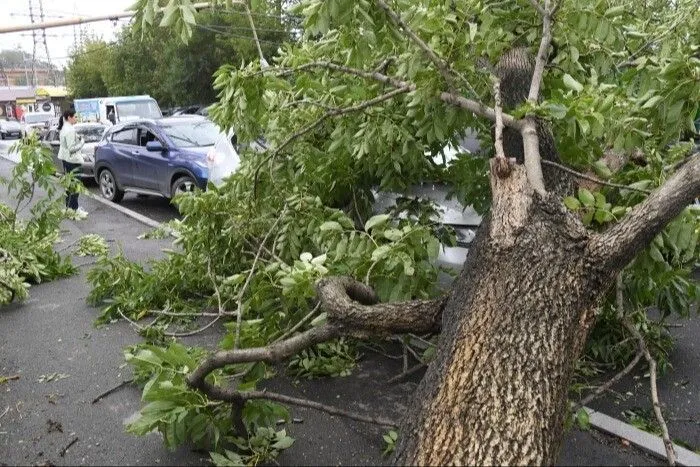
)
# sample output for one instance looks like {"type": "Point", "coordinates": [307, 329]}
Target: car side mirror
{"type": "Point", "coordinates": [154, 146]}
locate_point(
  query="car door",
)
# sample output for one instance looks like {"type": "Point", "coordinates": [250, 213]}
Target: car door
{"type": "Point", "coordinates": [150, 167]}
{"type": "Point", "coordinates": [124, 145]}
{"type": "Point", "coordinates": [52, 142]}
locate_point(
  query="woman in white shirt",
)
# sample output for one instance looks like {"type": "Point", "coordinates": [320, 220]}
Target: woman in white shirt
{"type": "Point", "coordinates": [69, 153]}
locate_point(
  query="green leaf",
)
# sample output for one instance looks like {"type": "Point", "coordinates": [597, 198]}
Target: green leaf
{"type": "Point", "coordinates": [284, 443]}
{"type": "Point", "coordinates": [652, 102]}
{"type": "Point", "coordinates": [583, 419]}
{"type": "Point", "coordinates": [586, 197]}
{"type": "Point", "coordinates": [472, 31]}
{"type": "Point", "coordinates": [614, 11]}
{"type": "Point", "coordinates": [375, 221]}
{"type": "Point", "coordinates": [380, 252]}
{"type": "Point", "coordinates": [330, 225]}
{"type": "Point", "coordinates": [393, 234]}
{"type": "Point", "coordinates": [601, 169]}
{"type": "Point", "coordinates": [572, 203]}
{"type": "Point", "coordinates": [656, 254]}
{"type": "Point", "coordinates": [571, 83]}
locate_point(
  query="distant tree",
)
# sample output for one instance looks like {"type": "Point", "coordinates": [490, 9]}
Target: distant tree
{"type": "Point", "coordinates": [161, 65]}
{"type": "Point", "coordinates": [86, 69]}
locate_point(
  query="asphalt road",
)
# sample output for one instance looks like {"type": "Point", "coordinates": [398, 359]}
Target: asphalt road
{"type": "Point", "coordinates": [154, 207]}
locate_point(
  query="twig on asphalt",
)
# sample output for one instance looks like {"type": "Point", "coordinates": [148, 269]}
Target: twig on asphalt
{"type": "Point", "coordinates": [668, 444]}
{"type": "Point", "coordinates": [64, 450]}
{"type": "Point", "coordinates": [318, 406]}
{"type": "Point", "coordinates": [113, 390]}
{"type": "Point", "coordinates": [604, 387]}
{"type": "Point", "coordinates": [406, 373]}
{"type": "Point", "coordinates": [7, 409]}
{"type": "Point", "coordinates": [4, 379]}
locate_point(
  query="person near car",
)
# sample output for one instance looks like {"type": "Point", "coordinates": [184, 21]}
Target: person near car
{"type": "Point", "coordinates": [69, 153]}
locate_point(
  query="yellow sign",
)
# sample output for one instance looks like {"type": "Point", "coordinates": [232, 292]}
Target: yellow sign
{"type": "Point", "coordinates": [51, 91]}
{"type": "Point", "coordinates": [25, 100]}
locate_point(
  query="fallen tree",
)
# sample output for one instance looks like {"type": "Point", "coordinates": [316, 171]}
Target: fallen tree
{"type": "Point", "coordinates": [541, 266]}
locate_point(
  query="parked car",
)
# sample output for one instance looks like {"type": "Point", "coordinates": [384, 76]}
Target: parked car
{"type": "Point", "coordinates": [162, 157]}
{"type": "Point", "coordinates": [9, 127]}
{"type": "Point", "coordinates": [464, 220]}
{"type": "Point", "coordinates": [35, 122]}
{"type": "Point", "coordinates": [91, 133]}
{"type": "Point", "coordinates": [188, 110]}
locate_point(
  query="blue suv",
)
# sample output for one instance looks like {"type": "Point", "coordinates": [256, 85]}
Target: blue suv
{"type": "Point", "coordinates": [161, 157]}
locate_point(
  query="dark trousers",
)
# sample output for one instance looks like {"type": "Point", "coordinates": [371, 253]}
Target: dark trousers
{"type": "Point", "coordinates": [71, 197]}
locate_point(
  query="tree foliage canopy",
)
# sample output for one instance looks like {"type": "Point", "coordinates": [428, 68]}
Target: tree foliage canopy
{"type": "Point", "coordinates": [158, 63]}
{"type": "Point", "coordinates": [357, 105]}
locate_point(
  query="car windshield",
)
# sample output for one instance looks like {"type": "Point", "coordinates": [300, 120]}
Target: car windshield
{"type": "Point", "coordinates": [192, 134]}
{"type": "Point", "coordinates": [36, 118]}
{"type": "Point", "coordinates": [141, 109]}
{"type": "Point", "coordinates": [92, 133]}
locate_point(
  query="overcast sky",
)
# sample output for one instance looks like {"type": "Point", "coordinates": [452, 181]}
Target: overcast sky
{"type": "Point", "coordinates": [59, 40]}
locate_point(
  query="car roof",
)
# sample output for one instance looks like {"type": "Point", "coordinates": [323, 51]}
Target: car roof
{"type": "Point", "coordinates": [165, 121]}
{"type": "Point", "coordinates": [88, 124]}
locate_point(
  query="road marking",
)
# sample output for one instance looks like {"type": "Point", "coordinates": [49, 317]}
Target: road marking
{"type": "Point", "coordinates": [651, 443]}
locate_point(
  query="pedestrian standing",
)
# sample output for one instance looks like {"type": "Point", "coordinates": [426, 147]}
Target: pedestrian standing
{"type": "Point", "coordinates": [69, 154]}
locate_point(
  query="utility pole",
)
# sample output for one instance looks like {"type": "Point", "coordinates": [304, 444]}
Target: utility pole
{"type": "Point", "coordinates": [31, 18]}
{"type": "Point", "coordinates": [46, 46]}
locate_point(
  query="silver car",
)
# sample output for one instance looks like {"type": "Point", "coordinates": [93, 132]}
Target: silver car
{"type": "Point", "coordinates": [463, 219]}
{"type": "Point", "coordinates": [91, 133]}
{"type": "Point", "coordinates": [9, 128]}
{"type": "Point", "coordinates": [35, 122]}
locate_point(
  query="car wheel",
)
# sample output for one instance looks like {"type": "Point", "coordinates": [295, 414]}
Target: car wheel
{"type": "Point", "coordinates": [109, 188]}
{"type": "Point", "coordinates": [182, 185]}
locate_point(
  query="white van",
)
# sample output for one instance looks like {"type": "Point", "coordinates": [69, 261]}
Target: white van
{"type": "Point", "coordinates": [116, 109]}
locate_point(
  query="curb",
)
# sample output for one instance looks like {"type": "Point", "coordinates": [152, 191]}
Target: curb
{"type": "Point", "coordinates": [646, 441]}
{"type": "Point", "coordinates": [128, 212]}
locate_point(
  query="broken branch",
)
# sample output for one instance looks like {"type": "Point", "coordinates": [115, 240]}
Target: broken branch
{"type": "Point", "coordinates": [622, 241]}
{"type": "Point", "coordinates": [591, 178]}
{"type": "Point", "coordinates": [442, 66]}
{"type": "Point", "coordinates": [473, 106]}
{"type": "Point", "coordinates": [604, 387]}
{"type": "Point", "coordinates": [112, 391]}
{"type": "Point", "coordinates": [498, 143]}
{"type": "Point", "coordinates": [316, 123]}
{"type": "Point", "coordinates": [668, 444]}
{"type": "Point", "coordinates": [533, 160]}
{"type": "Point", "coordinates": [541, 59]}
{"type": "Point", "coordinates": [318, 406]}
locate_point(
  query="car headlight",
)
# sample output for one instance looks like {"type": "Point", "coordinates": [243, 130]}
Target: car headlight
{"type": "Point", "coordinates": [465, 235]}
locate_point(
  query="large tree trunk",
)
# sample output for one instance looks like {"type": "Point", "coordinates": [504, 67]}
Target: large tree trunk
{"type": "Point", "coordinates": [516, 322]}
{"type": "Point", "coordinates": [512, 329]}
